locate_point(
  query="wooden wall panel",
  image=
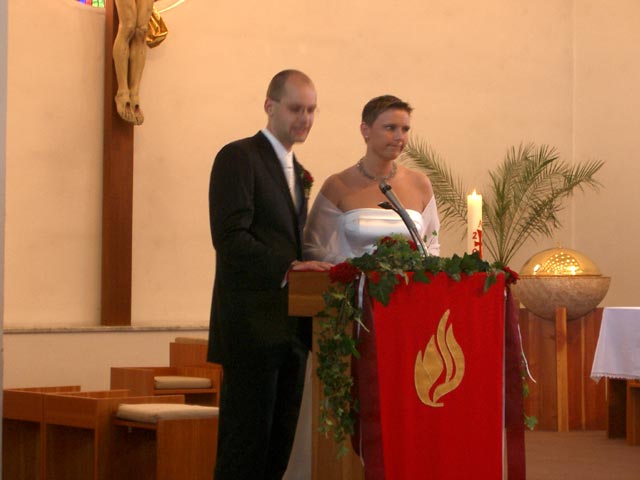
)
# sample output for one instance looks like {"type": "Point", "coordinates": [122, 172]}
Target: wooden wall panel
{"type": "Point", "coordinates": [575, 341]}
{"type": "Point", "coordinates": [587, 402]}
{"type": "Point", "coordinates": [538, 339]}
{"type": "Point", "coordinates": [595, 404]}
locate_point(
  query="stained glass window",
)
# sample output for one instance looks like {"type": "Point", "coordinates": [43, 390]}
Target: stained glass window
{"type": "Point", "coordinates": [93, 3]}
{"type": "Point", "coordinates": [100, 4]}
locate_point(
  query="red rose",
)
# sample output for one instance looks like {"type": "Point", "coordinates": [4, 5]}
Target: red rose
{"type": "Point", "coordinates": [412, 245]}
{"type": "Point", "coordinates": [388, 241]}
{"type": "Point", "coordinates": [343, 273]}
{"type": "Point", "coordinates": [307, 177]}
{"type": "Point", "coordinates": [307, 182]}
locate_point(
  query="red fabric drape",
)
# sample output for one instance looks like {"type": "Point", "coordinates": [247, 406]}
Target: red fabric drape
{"type": "Point", "coordinates": [402, 438]}
{"type": "Point", "coordinates": [514, 402]}
{"type": "Point", "coordinates": [367, 441]}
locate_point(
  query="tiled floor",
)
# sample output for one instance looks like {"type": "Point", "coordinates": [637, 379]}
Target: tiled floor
{"type": "Point", "coordinates": [580, 455]}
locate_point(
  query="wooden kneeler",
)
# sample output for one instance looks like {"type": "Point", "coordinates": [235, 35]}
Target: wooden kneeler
{"type": "Point", "coordinates": [165, 442]}
{"type": "Point", "coordinates": [148, 381]}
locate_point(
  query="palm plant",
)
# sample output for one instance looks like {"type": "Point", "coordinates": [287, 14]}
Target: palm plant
{"type": "Point", "coordinates": [524, 199]}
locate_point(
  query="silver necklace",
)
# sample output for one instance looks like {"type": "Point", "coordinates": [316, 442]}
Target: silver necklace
{"type": "Point", "coordinates": [363, 171]}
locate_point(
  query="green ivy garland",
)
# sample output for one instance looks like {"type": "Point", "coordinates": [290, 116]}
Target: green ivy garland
{"type": "Point", "coordinates": [384, 269]}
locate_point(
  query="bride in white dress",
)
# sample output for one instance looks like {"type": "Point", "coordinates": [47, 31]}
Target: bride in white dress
{"type": "Point", "coordinates": [345, 220]}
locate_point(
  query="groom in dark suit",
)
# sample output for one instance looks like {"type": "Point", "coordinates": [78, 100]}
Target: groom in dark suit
{"type": "Point", "coordinates": [258, 207]}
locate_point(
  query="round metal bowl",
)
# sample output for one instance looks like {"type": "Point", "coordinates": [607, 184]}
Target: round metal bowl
{"type": "Point", "coordinates": [560, 277]}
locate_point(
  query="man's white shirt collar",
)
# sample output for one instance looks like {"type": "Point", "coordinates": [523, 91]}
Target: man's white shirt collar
{"type": "Point", "coordinates": [286, 161]}
{"type": "Point", "coordinates": [286, 158]}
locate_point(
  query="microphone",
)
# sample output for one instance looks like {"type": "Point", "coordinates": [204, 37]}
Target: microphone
{"type": "Point", "coordinates": [395, 205]}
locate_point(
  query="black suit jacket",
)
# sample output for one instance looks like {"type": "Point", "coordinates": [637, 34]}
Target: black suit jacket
{"type": "Point", "coordinates": [257, 233]}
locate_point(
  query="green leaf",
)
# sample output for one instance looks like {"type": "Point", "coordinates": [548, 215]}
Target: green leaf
{"type": "Point", "coordinates": [489, 281]}
{"type": "Point", "coordinates": [530, 422]}
{"type": "Point", "coordinates": [421, 276]}
{"type": "Point", "coordinates": [389, 266]}
{"type": "Point", "coordinates": [527, 191]}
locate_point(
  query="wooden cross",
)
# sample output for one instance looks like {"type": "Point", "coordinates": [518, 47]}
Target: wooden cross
{"type": "Point", "coordinates": [117, 194]}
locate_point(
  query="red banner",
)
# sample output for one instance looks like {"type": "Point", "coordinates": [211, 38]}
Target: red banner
{"type": "Point", "coordinates": [431, 382]}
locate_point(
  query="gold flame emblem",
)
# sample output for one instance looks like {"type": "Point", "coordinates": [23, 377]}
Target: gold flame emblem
{"type": "Point", "coordinates": [443, 354]}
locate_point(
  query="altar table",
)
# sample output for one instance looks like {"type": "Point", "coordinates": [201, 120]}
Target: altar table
{"type": "Point", "coordinates": [618, 349]}
{"type": "Point", "coordinates": [617, 358]}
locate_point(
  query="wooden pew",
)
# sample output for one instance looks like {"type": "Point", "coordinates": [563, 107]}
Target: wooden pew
{"type": "Point", "coordinates": [141, 381]}
{"type": "Point", "coordinates": [79, 432]}
{"type": "Point", "coordinates": [165, 449]}
{"type": "Point", "coordinates": [188, 352]}
{"type": "Point", "coordinates": [23, 439]}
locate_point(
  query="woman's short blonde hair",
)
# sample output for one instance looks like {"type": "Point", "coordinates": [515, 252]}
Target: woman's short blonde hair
{"type": "Point", "coordinates": [377, 105]}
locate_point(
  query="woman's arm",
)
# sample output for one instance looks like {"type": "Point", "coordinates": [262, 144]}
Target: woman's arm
{"type": "Point", "coordinates": [321, 231]}
{"type": "Point", "coordinates": [431, 224]}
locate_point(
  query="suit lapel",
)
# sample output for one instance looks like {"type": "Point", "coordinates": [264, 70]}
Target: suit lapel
{"type": "Point", "coordinates": [299, 175]}
{"type": "Point", "coordinates": [274, 167]}
{"type": "Point", "coordinates": [301, 214]}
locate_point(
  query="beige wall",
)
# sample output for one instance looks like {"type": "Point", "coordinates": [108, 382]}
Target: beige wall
{"type": "Point", "coordinates": [35, 359]}
{"type": "Point", "coordinates": [607, 122]}
{"type": "Point", "coordinates": [53, 164]}
{"type": "Point", "coordinates": [482, 76]}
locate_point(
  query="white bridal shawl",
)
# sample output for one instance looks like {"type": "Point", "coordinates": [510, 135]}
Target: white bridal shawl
{"type": "Point", "coordinates": [333, 235]}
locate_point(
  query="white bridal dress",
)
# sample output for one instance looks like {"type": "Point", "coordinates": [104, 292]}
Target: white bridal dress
{"type": "Point", "coordinates": [332, 235]}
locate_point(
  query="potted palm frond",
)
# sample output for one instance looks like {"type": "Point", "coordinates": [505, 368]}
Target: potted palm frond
{"type": "Point", "coordinates": [523, 201]}
{"type": "Point", "coordinates": [526, 194]}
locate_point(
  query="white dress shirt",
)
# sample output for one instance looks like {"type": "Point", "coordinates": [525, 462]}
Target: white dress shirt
{"type": "Point", "coordinates": [286, 160]}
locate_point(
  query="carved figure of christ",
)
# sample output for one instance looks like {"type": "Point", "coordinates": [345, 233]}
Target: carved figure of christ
{"type": "Point", "coordinates": [129, 56]}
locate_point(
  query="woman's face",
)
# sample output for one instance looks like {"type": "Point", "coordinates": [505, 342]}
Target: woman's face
{"type": "Point", "coordinates": [387, 136]}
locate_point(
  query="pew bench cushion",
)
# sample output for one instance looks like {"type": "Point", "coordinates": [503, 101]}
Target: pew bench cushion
{"type": "Point", "coordinates": [154, 412]}
{"type": "Point", "coordinates": [178, 382]}
{"type": "Point", "coordinates": [193, 340]}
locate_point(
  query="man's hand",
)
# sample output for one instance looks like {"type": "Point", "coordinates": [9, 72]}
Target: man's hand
{"type": "Point", "coordinates": [311, 266]}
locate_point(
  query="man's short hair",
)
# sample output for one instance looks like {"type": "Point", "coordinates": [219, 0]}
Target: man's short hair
{"type": "Point", "coordinates": [275, 91]}
{"type": "Point", "coordinates": [376, 106]}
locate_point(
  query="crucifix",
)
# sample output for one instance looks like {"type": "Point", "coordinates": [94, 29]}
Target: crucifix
{"type": "Point", "coordinates": [117, 194]}
{"type": "Point", "coordinates": [121, 111]}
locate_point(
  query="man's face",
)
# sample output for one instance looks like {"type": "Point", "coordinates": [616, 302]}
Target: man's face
{"type": "Point", "coordinates": [291, 118]}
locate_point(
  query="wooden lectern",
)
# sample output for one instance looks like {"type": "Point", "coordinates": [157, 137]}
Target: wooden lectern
{"type": "Point", "coordinates": [305, 300]}
{"type": "Point", "coordinates": [419, 383]}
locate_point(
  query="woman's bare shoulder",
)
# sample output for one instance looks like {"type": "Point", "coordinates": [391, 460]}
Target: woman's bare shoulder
{"type": "Point", "coordinates": [336, 185]}
{"type": "Point", "coordinates": [418, 183]}
{"type": "Point", "coordinates": [418, 179]}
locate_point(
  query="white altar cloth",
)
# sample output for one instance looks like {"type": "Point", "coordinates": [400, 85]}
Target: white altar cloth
{"type": "Point", "coordinates": [618, 348]}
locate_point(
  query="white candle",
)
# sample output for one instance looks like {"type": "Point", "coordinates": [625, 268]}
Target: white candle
{"type": "Point", "coordinates": [474, 227]}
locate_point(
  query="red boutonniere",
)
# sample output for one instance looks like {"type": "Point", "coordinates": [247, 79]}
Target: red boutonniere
{"type": "Point", "coordinates": [307, 182]}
